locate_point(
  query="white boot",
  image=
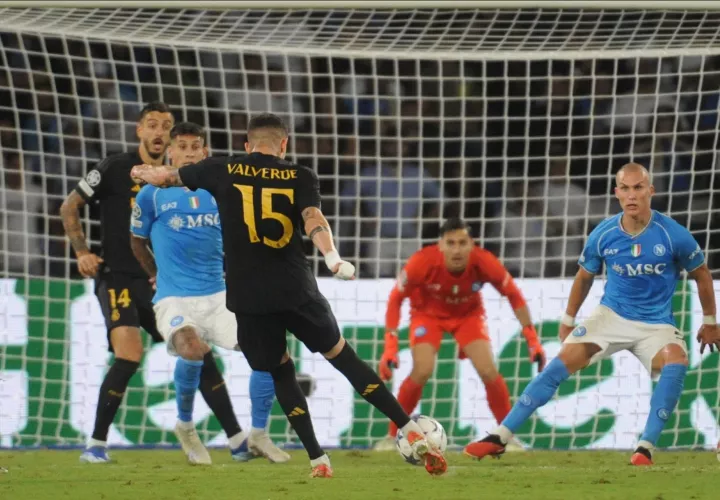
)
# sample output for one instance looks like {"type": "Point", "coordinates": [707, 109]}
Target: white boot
{"type": "Point", "coordinates": [195, 450]}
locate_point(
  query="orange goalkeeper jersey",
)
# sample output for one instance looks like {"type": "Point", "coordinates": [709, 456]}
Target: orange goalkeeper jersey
{"type": "Point", "coordinates": [435, 291]}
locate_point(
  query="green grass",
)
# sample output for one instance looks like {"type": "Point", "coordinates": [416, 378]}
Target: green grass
{"type": "Point", "coordinates": [366, 475]}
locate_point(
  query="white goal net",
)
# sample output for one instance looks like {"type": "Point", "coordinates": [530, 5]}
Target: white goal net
{"type": "Point", "coordinates": [514, 118]}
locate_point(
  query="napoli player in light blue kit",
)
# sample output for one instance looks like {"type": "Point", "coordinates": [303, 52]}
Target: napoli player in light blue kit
{"type": "Point", "coordinates": [644, 253]}
{"type": "Point", "coordinates": [184, 228]}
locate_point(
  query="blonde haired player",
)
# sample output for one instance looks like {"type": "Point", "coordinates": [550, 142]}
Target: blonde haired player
{"type": "Point", "coordinates": [644, 252]}
{"type": "Point", "coordinates": [190, 310]}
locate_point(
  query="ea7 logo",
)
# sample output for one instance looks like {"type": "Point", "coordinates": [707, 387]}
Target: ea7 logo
{"type": "Point", "coordinates": [610, 251]}
{"type": "Point", "coordinates": [168, 206]}
{"type": "Point", "coordinates": [644, 269]}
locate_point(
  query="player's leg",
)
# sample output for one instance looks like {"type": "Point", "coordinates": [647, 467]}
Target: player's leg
{"type": "Point", "coordinates": [663, 351]}
{"type": "Point", "coordinates": [587, 344]}
{"type": "Point", "coordinates": [178, 323]}
{"type": "Point", "coordinates": [410, 392]}
{"type": "Point", "coordinates": [191, 351]}
{"type": "Point", "coordinates": [471, 335]}
{"type": "Point", "coordinates": [215, 393]}
{"type": "Point", "coordinates": [425, 338]}
{"type": "Point", "coordinates": [262, 395]}
{"type": "Point", "coordinates": [222, 332]}
{"type": "Point", "coordinates": [121, 317]}
{"type": "Point", "coordinates": [263, 342]}
{"type": "Point", "coordinates": [315, 326]}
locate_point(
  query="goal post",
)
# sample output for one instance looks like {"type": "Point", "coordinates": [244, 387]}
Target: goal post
{"type": "Point", "coordinates": [511, 116]}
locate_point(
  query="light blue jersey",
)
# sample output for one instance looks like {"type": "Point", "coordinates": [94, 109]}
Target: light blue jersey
{"type": "Point", "coordinates": [184, 228]}
{"type": "Point", "coordinates": [642, 270]}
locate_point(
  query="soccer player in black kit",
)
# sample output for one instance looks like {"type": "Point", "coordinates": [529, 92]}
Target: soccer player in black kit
{"type": "Point", "coordinates": [123, 288]}
{"type": "Point", "coordinates": [263, 201]}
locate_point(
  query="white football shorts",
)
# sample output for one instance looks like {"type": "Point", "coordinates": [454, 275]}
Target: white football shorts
{"type": "Point", "coordinates": [613, 333]}
{"type": "Point", "coordinates": [208, 315]}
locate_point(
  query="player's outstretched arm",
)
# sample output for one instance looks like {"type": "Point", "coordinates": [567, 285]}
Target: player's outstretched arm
{"type": "Point", "coordinates": [161, 176]}
{"type": "Point", "coordinates": [88, 262]}
{"type": "Point", "coordinates": [144, 256]}
{"type": "Point", "coordinates": [578, 293]}
{"type": "Point", "coordinates": [709, 333]}
{"type": "Point", "coordinates": [389, 359]}
{"type": "Point", "coordinates": [318, 230]}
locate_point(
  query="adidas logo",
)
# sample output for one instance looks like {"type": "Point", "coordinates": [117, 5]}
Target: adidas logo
{"type": "Point", "coordinates": [297, 411]}
{"type": "Point", "coordinates": [370, 388]}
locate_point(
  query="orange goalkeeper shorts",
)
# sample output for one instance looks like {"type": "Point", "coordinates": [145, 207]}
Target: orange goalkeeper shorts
{"type": "Point", "coordinates": [427, 329]}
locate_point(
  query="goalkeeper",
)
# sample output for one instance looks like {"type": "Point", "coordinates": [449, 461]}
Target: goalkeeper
{"type": "Point", "coordinates": [443, 282]}
{"type": "Point", "coordinates": [184, 228]}
{"type": "Point", "coordinates": [644, 252]}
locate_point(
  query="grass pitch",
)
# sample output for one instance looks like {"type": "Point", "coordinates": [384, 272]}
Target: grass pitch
{"type": "Point", "coordinates": [361, 475]}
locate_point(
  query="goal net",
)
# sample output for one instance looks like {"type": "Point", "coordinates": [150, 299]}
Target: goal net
{"type": "Point", "coordinates": [514, 118]}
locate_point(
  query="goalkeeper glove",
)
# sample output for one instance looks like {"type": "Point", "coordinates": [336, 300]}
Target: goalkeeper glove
{"type": "Point", "coordinates": [535, 348]}
{"type": "Point", "coordinates": [389, 359]}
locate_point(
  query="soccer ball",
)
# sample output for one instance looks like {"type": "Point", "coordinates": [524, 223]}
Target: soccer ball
{"type": "Point", "coordinates": [434, 433]}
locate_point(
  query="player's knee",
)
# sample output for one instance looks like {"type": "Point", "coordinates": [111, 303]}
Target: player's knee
{"type": "Point", "coordinates": [488, 373]}
{"type": "Point", "coordinates": [127, 343]}
{"type": "Point", "coordinates": [189, 345]}
{"type": "Point", "coordinates": [575, 357]}
{"type": "Point", "coordinates": [671, 354]}
{"type": "Point", "coordinates": [332, 353]}
{"type": "Point", "coordinates": [421, 372]}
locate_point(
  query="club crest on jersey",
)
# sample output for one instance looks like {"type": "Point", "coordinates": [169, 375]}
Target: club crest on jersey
{"type": "Point", "coordinates": [176, 321]}
{"type": "Point", "coordinates": [194, 202]}
{"type": "Point", "coordinates": [476, 286]}
{"type": "Point", "coordinates": [659, 250]}
{"type": "Point", "coordinates": [420, 331]}
{"type": "Point", "coordinates": [635, 250]}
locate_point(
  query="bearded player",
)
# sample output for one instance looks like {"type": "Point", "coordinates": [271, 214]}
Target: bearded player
{"type": "Point", "coordinates": [644, 252]}
{"type": "Point", "coordinates": [121, 285]}
{"type": "Point", "coordinates": [184, 229]}
{"type": "Point", "coordinates": [443, 282]}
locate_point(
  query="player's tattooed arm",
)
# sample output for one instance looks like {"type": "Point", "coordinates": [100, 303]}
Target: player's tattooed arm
{"type": "Point", "coordinates": [144, 256]}
{"type": "Point", "coordinates": [318, 229]}
{"type": "Point", "coordinates": [161, 176]}
{"type": "Point", "coordinates": [70, 214]}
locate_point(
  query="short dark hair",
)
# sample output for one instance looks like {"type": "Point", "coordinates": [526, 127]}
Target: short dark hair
{"type": "Point", "coordinates": [187, 128]}
{"type": "Point", "coordinates": [158, 106]}
{"type": "Point", "coordinates": [267, 120]}
{"type": "Point", "coordinates": [454, 224]}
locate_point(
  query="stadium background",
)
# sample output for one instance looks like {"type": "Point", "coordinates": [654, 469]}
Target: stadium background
{"type": "Point", "coordinates": [523, 148]}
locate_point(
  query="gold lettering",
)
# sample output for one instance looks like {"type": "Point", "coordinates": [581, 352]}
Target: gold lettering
{"type": "Point", "coordinates": [264, 173]}
{"type": "Point", "coordinates": [274, 173]}
{"type": "Point", "coordinates": [293, 174]}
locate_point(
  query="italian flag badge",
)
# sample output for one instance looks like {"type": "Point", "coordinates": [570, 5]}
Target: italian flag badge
{"type": "Point", "coordinates": [194, 202]}
{"type": "Point", "coordinates": [635, 250]}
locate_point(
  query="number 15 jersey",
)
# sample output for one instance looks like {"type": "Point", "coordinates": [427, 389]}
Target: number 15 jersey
{"type": "Point", "coordinates": [260, 199]}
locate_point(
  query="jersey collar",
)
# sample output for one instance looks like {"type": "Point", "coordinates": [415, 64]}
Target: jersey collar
{"type": "Point", "coordinates": [633, 236]}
